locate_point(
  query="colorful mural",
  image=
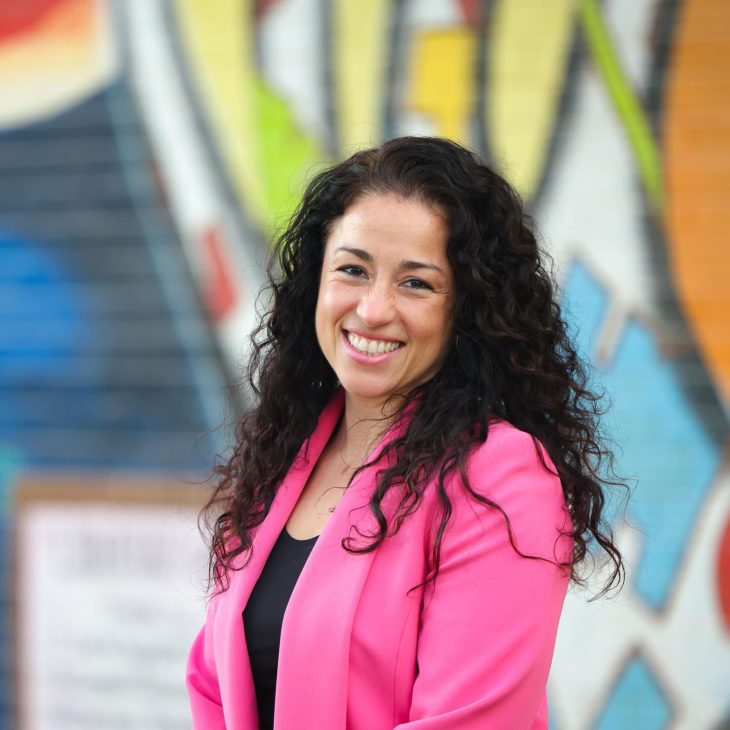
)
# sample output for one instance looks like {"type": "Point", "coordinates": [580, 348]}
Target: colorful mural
{"type": "Point", "coordinates": [150, 149]}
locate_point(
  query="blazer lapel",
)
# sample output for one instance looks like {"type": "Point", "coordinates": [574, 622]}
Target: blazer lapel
{"type": "Point", "coordinates": [237, 688]}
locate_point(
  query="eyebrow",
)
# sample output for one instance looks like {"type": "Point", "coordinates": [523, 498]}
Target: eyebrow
{"type": "Point", "coordinates": [365, 256]}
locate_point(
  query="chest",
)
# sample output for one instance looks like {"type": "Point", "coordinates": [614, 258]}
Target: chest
{"type": "Point", "coordinates": [320, 496]}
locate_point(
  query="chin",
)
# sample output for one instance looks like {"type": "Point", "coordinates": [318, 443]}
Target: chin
{"type": "Point", "coordinates": [361, 391]}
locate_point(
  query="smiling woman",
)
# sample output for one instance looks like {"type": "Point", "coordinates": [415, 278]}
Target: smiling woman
{"type": "Point", "coordinates": [419, 478]}
{"type": "Point", "coordinates": [383, 316]}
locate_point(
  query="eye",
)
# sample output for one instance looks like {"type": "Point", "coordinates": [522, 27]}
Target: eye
{"type": "Point", "coordinates": [418, 284]}
{"type": "Point", "coordinates": [352, 270]}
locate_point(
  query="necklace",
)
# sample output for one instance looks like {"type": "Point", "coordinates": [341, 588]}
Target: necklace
{"type": "Point", "coordinates": [329, 510]}
{"type": "Point", "coordinates": [347, 469]}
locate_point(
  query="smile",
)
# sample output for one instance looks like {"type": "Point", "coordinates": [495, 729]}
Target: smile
{"type": "Point", "coordinates": [372, 347]}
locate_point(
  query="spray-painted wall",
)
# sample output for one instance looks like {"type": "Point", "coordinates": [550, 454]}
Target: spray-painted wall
{"type": "Point", "coordinates": [149, 149]}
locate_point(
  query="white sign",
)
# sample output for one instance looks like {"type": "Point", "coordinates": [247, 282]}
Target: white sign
{"type": "Point", "coordinates": [110, 597]}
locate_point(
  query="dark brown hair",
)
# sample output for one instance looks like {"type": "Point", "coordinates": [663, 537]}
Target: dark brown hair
{"type": "Point", "coordinates": [514, 359]}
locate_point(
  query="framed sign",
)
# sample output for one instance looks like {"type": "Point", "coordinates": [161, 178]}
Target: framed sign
{"type": "Point", "coordinates": [109, 592]}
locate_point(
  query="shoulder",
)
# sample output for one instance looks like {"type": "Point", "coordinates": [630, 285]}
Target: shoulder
{"type": "Point", "coordinates": [514, 487]}
{"type": "Point", "coordinates": [507, 446]}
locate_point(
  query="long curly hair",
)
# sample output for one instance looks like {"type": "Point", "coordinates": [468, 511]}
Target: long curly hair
{"type": "Point", "coordinates": [512, 358]}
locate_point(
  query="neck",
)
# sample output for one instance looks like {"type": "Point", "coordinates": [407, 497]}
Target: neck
{"type": "Point", "coordinates": [361, 427]}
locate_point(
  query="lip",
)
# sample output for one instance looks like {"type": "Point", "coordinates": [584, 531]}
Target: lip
{"type": "Point", "coordinates": [368, 359]}
{"type": "Point", "coordinates": [369, 336]}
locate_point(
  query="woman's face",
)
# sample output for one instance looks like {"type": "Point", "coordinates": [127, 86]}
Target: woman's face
{"type": "Point", "coordinates": [386, 293]}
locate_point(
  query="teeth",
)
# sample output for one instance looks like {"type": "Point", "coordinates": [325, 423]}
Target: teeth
{"type": "Point", "coordinates": [371, 347]}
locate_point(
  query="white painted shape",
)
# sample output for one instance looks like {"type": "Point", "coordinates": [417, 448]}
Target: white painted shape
{"type": "Point", "coordinates": [292, 52]}
{"type": "Point", "coordinates": [591, 207]}
{"type": "Point", "coordinates": [594, 640]}
{"type": "Point", "coordinates": [432, 14]}
{"type": "Point", "coordinates": [414, 123]}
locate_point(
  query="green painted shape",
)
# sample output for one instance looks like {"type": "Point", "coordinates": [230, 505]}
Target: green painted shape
{"type": "Point", "coordinates": [288, 156]}
{"type": "Point", "coordinates": [625, 101]}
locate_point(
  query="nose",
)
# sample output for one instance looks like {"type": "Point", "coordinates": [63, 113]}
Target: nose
{"type": "Point", "coordinates": [376, 305]}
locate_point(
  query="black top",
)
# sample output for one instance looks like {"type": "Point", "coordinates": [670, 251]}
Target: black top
{"type": "Point", "coordinates": [264, 614]}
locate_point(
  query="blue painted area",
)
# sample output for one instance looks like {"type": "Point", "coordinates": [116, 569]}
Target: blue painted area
{"type": "Point", "coordinates": [584, 306]}
{"type": "Point", "coordinates": [99, 367]}
{"type": "Point", "coordinates": [669, 450]}
{"type": "Point", "coordinates": [664, 444]}
{"type": "Point", "coordinates": [43, 318]}
{"type": "Point", "coordinates": [637, 702]}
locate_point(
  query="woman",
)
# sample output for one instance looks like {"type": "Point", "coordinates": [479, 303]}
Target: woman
{"type": "Point", "coordinates": [417, 482]}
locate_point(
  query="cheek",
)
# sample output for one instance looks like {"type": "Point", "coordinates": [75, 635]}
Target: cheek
{"type": "Point", "coordinates": [326, 314]}
{"type": "Point", "coordinates": [432, 323]}
{"type": "Point", "coordinates": [441, 327]}
{"type": "Point", "coordinates": [333, 302]}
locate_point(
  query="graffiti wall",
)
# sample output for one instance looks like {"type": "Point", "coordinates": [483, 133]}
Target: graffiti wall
{"type": "Point", "coordinates": [149, 150]}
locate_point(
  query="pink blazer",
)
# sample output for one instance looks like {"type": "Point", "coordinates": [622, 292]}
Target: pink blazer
{"type": "Point", "coordinates": [361, 651]}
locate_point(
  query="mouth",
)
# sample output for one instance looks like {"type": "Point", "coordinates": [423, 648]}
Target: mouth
{"type": "Point", "coordinates": [371, 347]}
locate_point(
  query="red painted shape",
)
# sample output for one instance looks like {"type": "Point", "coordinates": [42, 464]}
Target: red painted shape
{"type": "Point", "coordinates": [263, 7]}
{"type": "Point", "coordinates": [723, 574]}
{"type": "Point", "coordinates": [19, 17]}
{"type": "Point", "coordinates": [472, 12]}
{"type": "Point", "coordinates": [219, 290]}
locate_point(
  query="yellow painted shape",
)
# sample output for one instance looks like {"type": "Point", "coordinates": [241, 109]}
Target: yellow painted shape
{"type": "Point", "coordinates": [359, 55]}
{"type": "Point", "coordinates": [527, 57]}
{"type": "Point", "coordinates": [64, 58]}
{"type": "Point", "coordinates": [696, 135]}
{"type": "Point", "coordinates": [442, 80]}
{"type": "Point", "coordinates": [218, 37]}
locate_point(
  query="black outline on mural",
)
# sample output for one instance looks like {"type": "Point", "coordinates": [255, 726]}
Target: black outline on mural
{"type": "Point", "coordinates": [396, 52]}
{"type": "Point", "coordinates": [478, 123]}
{"type": "Point", "coordinates": [576, 57]}
{"type": "Point", "coordinates": [666, 20]}
{"type": "Point", "coordinates": [332, 143]}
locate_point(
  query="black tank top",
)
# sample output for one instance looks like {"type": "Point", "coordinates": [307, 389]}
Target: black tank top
{"type": "Point", "coordinates": [264, 614]}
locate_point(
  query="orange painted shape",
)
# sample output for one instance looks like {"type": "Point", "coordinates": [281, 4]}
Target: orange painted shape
{"type": "Point", "coordinates": [697, 169]}
{"type": "Point", "coordinates": [219, 291]}
{"type": "Point", "coordinates": [723, 575]}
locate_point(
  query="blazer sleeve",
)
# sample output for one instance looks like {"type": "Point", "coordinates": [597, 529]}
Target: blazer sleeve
{"type": "Point", "coordinates": [202, 678]}
{"type": "Point", "coordinates": [489, 623]}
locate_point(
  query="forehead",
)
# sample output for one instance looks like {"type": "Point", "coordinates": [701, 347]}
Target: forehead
{"type": "Point", "coordinates": [388, 222]}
